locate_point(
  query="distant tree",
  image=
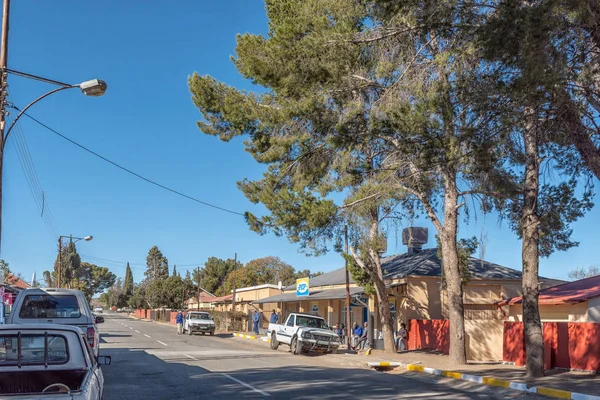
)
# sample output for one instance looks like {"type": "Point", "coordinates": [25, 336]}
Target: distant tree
{"type": "Point", "coordinates": [215, 271]}
{"type": "Point", "coordinates": [157, 265]}
{"type": "Point", "coordinates": [174, 270]}
{"type": "Point", "coordinates": [48, 279]}
{"type": "Point", "coordinates": [92, 279]}
{"type": "Point", "coordinates": [582, 273]}
{"type": "Point", "coordinates": [70, 265]}
{"type": "Point", "coordinates": [4, 270]}
{"type": "Point", "coordinates": [128, 282]}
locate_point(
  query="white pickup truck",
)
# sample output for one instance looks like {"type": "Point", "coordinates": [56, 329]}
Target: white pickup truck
{"type": "Point", "coordinates": [303, 333]}
{"type": "Point", "coordinates": [199, 321]}
{"type": "Point", "coordinates": [48, 362]}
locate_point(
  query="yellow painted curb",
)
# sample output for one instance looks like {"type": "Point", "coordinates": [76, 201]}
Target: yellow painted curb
{"type": "Point", "coordinates": [451, 374]}
{"type": "Point", "coordinates": [495, 382]}
{"type": "Point", "coordinates": [368, 352]}
{"type": "Point", "coordinates": [384, 364]}
{"type": "Point", "coordinates": [559, 394]}
{"type": "Point", "coordinates": [413, 367]}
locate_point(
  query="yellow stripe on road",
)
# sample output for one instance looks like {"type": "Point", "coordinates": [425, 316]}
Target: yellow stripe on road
{"type": "Point", "coordinates": [413, 367]}
{"type": "Point", "coordinates": [559, 394]}
{"type": "Point", "coordinates": [452, 374]}
{"type": "Point", "coordinates": [495, 382]}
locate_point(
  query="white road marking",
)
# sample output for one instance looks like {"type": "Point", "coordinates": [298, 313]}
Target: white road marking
{"type": "Point", "coordinates": [136, 331]}
{"type": "Point", "coordinates": [164, 344]}
{"type": "Point", "coordinates": [147, 335]}
{"type": "Point", "coordinates": [130, 328]}
{"type": "Point", "coordinates": [193, 358]}
{"type": "Point", "coordinates": [247, 385]}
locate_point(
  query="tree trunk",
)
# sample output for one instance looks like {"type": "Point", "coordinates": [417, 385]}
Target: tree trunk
{"type": "Point", "coordinates": [386, 317]}
{"type": "Point", "coordinates": [534, 343]}
{"type": "Point", "coordinates": [451, 268]}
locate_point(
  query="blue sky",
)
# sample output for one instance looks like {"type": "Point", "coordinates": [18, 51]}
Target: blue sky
{"type": "Point", "coordinates": [146, 121]}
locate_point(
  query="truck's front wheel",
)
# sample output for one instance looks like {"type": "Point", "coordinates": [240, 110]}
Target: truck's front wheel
{"type": "Point", "coordinates": [294, 346]}
{"type": "Point", "coordinates": [274, 342]}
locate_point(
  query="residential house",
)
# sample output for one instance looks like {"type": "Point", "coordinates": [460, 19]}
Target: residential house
{"type": "Point", "coordinates": [201, 301]}
{"type": "Point", "coordinates": [577, 301]}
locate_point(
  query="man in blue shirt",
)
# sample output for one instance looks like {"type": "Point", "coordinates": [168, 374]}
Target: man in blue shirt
{"type": "Point", "coordinates": [274, 317]}
{"type": "Point", "coordinates": [256, 318]}
{"type": "Point", "coordinates": [179, 322]}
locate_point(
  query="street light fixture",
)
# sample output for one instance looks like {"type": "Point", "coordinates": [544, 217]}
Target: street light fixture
{"type": "Point", "coordinates": [60, 238]}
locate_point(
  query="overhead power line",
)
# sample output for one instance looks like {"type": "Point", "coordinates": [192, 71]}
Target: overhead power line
{"type": "Point", "coordinates": [128, 170]}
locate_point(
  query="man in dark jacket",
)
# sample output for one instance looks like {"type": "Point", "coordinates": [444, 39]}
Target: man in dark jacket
{"type": "Point", "coordinates": [179, 322]}
{"type": "Point", "coordinates": [274, 317]}
{"type": "Point", "coordinates": [256, 319]}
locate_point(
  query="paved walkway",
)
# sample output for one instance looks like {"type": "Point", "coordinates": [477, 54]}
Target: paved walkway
{"type": "Point", "coordinates": [582, 382]}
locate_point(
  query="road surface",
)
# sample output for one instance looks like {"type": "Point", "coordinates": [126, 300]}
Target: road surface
{"type": "Point", "coordinates": [150, 361]}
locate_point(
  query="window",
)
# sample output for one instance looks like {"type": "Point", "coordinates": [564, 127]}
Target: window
{"type": "Point", "coordinates": [291, 320]}
{"type": "Point", "coordinates": [33, 349]}
{"type": "Point", "coordinates": [200, 316]}
{"type": "Point", "coordinates": [312, 322]}
{"type": "Point", "coordinates": [48, 306]}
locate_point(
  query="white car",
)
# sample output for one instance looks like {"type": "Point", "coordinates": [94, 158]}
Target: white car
{"type": "Point", "coordinates": [99, 310]}
{"type": "Point", "coordinates": [303, 333]}
{"type": "Point", "coordinates": [49, 361]}
{"type": "Point", "coordinates": [199, 321]}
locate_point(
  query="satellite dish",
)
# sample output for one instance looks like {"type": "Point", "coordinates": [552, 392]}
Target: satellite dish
{"type": "Point", "coordinates": [280, 285]}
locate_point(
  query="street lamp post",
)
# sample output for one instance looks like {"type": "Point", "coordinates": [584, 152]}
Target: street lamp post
{"type": "Point", "coordinates": [60, 238]}
{"type": "Point", "coordinates": [93, 88]}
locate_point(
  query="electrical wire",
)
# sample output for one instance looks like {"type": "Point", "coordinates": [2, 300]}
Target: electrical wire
{"type": "Point", "coordinates": [128, 170]}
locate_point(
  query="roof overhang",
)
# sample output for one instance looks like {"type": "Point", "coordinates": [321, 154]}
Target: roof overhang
{"type": "Point", "coordinates": [331, 294]}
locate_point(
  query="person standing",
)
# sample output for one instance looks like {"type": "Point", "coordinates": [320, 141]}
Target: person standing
{"type": "Point", "coordinates": [401, 338]}
{"type": "Point", "coordinates": [179, 322]}
{"type": "Point", "coordinates": [274, 318]}
{"type": "Point", "coordinates": [357, 333]}
{"type": "Point", "coordinates": [363, 338]}
{"type": "Point", "coordinates": [256, 319]}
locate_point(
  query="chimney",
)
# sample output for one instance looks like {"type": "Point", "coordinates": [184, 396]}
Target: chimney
{"type": "Point", "coordinates": [414, 238]}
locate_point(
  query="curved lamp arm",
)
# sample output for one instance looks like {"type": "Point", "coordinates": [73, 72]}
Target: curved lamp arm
{"type": "Point", "coordinates": [29, 105]}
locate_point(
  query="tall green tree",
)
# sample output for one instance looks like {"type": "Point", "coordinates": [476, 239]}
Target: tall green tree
{"type": "Point", "coordinates": [174, 270]}
{"type": "Point", "coordinates": [70, 265]}
{"type": "Point", "coordinates": [4, 270]}
{"type": "Point", "coordinates": [128, 284]}
{"type": "Point", "coordinates": [157, 265]}
{"type": "Point", "coordinates": [212, 276]}
{"type": "Point", "coordinates": [375, 100]}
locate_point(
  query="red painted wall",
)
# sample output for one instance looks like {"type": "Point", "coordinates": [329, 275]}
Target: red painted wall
{"type": "Point", "coordinates": [572, 345]}
{"type": "Point", "coordinates": [429, 334]}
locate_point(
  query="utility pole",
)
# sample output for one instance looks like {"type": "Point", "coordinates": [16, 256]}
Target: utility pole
{"type": "Point", "coordinates": [348, 327]}
{"type": "Point", "coordinates": [198, 280]}
{"type": "Point", "coordinates": [3, 93]}
{"type": "Point", "coordinates": [234, 276]}
{"type": "Point", "coordinates": [59, 260]}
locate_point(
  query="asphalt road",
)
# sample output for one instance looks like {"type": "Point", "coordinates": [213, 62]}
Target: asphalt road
{"type": "Point", "coordinates": [150, 361]}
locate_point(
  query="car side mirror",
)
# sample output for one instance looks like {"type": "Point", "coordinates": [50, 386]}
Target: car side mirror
{"type": "Point", "coordinates": [104, 360]}
{"type": "Point", "coordinates": [99, 320]}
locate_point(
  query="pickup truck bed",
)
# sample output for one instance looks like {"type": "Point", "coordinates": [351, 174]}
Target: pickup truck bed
{"type": "Point", "coordinates": [29, 382]}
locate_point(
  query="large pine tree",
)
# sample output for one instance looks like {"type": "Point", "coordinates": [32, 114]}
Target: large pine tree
{"type": "Point", "coordinates": [157, 265]}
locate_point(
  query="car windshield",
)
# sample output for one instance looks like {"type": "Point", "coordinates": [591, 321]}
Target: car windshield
{"type": "Point", "coordinates": [311, 322]}
{"type": "Point", "coordinates": [199, 316]}
{"type": "Point", "coordinates": [33, 349]}
{"type": "Point", "coordinates": [47, 306]}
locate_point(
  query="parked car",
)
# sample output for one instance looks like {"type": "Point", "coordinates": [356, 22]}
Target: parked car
{"type": "Point", "coordinates": [99, 310]}
{"type": "Point", "coordinates": [199, 321]}
{"type": "Point", "coordinates": [303, 333]}
{"type": "Point", "coordinates": [57, 306]}
{"type": "Point", "coordinates": [48, 361]}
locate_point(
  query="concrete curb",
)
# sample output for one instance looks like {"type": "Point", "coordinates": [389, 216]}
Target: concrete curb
{"type": "Point", "coordinates": [241, 335]}
{"type": "Point", "coordinates": [490, 381]}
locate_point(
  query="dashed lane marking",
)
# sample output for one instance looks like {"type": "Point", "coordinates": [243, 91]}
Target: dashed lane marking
{"type": "Point", "coordinates": [147, 335]}
{"type": "Point", "coordinates": [164, 344]}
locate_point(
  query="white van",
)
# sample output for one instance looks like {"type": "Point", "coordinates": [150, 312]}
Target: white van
{"type": "Point", "coordinates": [56, 306]}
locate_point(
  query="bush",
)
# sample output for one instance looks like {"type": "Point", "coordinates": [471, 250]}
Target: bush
{"type": "Point", "coordinates": [230, 320]}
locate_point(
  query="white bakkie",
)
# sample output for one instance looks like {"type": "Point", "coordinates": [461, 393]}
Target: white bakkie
{"type": "Point", "coordinates": [303, 333]}
{"type": "Point", "coordinates": [199, 321]}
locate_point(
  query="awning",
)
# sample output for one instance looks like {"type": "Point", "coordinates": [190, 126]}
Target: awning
{"type": "Point", "coordinates": [331, 294]}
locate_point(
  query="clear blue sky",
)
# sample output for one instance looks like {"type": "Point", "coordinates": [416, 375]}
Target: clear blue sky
{"type": "Point", "coordinates": [146, 121]}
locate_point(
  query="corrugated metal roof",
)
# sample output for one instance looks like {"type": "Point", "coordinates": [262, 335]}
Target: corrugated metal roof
{"type": "Point", "coordinates": [335, 277]}
{"type": "Point", "coordinates": [331, 294]}
{"type": "Point", "coordinates": [567, 293]}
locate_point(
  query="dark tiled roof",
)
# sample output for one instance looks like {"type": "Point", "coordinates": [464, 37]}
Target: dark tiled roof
{"type": "Point", "coordinates": [567, 293]}
{"type": "Point", "coordinates": [427, 263]}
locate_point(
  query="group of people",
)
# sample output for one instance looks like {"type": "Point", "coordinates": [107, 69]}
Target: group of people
{"type": "Point", "coordinates": [360, 336]}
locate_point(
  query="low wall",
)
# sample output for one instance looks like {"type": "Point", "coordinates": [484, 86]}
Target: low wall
{"type": "Point", "coordinates": [429, 334]}
{"type": "Point", "coordinates": [570, 345]}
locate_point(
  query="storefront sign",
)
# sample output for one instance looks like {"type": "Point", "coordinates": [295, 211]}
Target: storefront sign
{"type": "Point", "coordinates": [302, 287]}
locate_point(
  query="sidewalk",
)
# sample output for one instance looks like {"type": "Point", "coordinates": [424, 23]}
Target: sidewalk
{"type": "Point", "coordinates": [580, 382]}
